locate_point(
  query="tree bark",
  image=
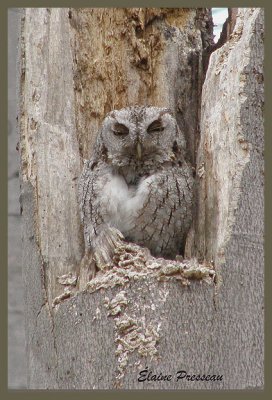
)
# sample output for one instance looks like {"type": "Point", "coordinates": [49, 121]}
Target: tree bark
{"type": "Point", "coordinates": [77, 65]}
{"type": "Point", "coordinates": [229, 225]}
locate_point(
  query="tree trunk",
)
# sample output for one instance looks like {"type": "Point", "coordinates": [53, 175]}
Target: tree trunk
{"type": "Point", "coordinates": [77, 65]}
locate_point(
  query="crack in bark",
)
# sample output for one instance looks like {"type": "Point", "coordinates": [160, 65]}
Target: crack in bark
{"type": "Point", "coordinates": [227, 30]}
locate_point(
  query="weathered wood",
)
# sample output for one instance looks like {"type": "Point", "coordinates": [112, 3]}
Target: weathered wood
{"type": "Point", "coordinates": [230, 218]}
{"type": "Point", "coordinates": [128, 56]}
{"type": "Point", "coordinates": [49, 149]}
{"type": "Point", "coordinates": [50, 165]}
{"type": "Point", "coordinates": [147, 56]}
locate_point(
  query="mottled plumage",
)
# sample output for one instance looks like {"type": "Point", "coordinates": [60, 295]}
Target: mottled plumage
{"type": "Point", "coordinates": [137, 185]}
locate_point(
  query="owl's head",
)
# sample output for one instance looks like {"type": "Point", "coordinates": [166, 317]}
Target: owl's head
{"type": "Point", "coordinates": [140, 135]}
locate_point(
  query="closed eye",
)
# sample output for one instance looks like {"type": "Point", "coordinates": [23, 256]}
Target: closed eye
{"type": "Point", "coordinates": [120, 129]}
{"type": "Point", "coordinates": [155, 126]}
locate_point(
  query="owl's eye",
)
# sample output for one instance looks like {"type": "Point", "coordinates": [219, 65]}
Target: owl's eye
{"type": "Point", "coordinates": [155, 126]}
{"type": "Point", "coordinates": [120, 129]}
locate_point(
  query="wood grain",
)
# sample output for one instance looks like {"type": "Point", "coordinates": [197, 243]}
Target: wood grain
{"type": "Point", "coordinates": [67, 84]}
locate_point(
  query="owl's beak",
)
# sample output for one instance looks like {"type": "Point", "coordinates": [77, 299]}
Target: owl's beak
{"type": "Point", "coordinates": [139, 151]}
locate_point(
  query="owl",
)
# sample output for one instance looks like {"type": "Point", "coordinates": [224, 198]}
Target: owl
{"type": "Point", "coordinates": [138, 185]}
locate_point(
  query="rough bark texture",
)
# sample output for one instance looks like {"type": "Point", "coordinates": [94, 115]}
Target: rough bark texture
{"type": "Point", "coordinates": [129, 56]}
{"type": "Point", "coordinates": [230, 220]}
{"type": "Point", "coordinates": [102, 338]}
{"type": "Point", "coordinates": [227, 28]}
{"type": "Point", "coordinates": [50, 160]}
{"type": "Point", "coordinates": [16, 331]}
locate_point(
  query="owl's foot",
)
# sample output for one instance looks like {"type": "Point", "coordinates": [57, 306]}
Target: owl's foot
{"type": "Point", "coordinates": [87, 270]}
{"type": "Point", "coordinates": [105, 244]}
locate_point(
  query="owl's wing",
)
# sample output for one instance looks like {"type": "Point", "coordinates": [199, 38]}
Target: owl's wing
{"type": "Point", "coordinates": [100, 238]}
{"type": "Point", "coordinates": [88, 193]}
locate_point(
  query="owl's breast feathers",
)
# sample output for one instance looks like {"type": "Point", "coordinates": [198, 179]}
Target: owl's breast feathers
{"type": "Point", "coordinates": [138, 182]}
{"type": "Point", "coordinates": [151, 207]}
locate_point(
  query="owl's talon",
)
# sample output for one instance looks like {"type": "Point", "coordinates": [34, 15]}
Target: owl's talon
{"type": "Point", "coordinates": [141, 184]}
{"type": "Point", "coordinates": [87, 270]}
{"type": "Point", "coordinates": [104, 247]}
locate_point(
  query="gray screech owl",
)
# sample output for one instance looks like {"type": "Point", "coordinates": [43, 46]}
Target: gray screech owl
{"type": "Point", "coordinates": [137, 185]}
